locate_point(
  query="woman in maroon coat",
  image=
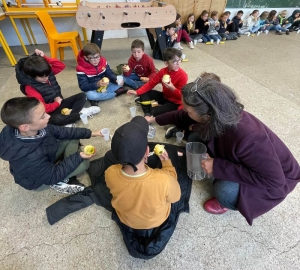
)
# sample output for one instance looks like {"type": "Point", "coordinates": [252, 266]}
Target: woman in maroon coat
{"type": "Point", "coordinates": [253, 169]}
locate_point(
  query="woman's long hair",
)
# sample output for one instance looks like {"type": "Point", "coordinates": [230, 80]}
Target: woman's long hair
{"type": "Point", "coordinates": [218, 101]}
{"type": "Point", "coordinates": [271, 15]}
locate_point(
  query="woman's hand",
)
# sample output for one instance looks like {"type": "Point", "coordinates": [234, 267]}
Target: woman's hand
{"type": "Point", "coordinates": [207, 165]}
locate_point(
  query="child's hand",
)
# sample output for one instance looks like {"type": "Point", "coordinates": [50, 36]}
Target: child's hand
{"type": "Point", "coordinates": [230, 22]}
{"type": "Point", "coordinates": [39, 52]}
{"type": "Point", "coordinates": [97, 133]}
{"type": "Point", "coordinates": [125, 68]}
{"type": "Point", "coordinates": [144, 79]}
{"type": "Point", "coordinates": [226, 32]}
{"type": "Point", "coordinates": [169, 85]}
{"type": "Point", "coordinates": [207, 23]}
{"type": "Point", "coordinates": [58, 99]}
{"type": "Point", "coordinates": [196, 30]}
{"type": "Point", "coordinates": [131, 92]}
{"type": "Point", "coordinates": [84, 156]}
{"type": "Point", "coordinates": [101, 83]}
{"type": "Point", "coordinates": [164, 155]}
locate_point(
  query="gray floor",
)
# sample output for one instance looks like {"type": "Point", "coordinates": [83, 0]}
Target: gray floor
{"type": "Point", "coordinates": [264, 72]}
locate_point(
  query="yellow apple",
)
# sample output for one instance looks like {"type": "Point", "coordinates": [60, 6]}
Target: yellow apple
{"type": "Point", "coordinates": [89, 150]}
{"type": "Point", "coordinates": [159, 149]}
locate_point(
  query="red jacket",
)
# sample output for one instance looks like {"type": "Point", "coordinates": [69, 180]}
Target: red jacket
{"type": "Point", "coordinates": [56, 67]}
{"type": "Point", "coordinates": [143, 68]}
{"type": "Point", "coordinates": [178, 78]}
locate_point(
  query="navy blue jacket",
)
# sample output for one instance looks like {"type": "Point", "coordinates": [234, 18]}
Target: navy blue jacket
{"type": "Point", "coordinates": [32, 162]}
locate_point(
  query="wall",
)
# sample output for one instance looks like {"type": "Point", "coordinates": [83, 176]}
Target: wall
{"type": "Point", "coordinates": [69, 23]}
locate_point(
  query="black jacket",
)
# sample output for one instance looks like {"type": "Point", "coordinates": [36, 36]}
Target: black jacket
{"type": "Point", "coordinates": [32, 161]}
{"type": "Point", "coordinates": [48, 91]}
{"type": "Point", "coordinates": [200, 25]}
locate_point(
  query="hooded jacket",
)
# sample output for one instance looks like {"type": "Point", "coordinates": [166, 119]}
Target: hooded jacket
{"type": "Point", "coordinates": [292, 18]}
{"type": "Point", "coordinates": [88, 75]}
{"type": "Point", "coordinates": [49, 91]}
{"type": "Point", "coordinates": [32, 161]}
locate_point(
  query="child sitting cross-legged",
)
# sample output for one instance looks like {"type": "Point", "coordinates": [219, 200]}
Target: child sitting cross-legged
{"type": "Point", "coordinates": [140, 68]}
{"type": "Point", "coordinates": [223, 30]}
{"type": "Point", "coordinates": [95, 78]}
{"type": "Point", "coordinates": [172, 78]}
{"type": "Point", "coordinates": [38, 153]}
{"type": "Point", "coordinates": [214, 26]}
{"type": "Point", "coordinates": [36, 76]}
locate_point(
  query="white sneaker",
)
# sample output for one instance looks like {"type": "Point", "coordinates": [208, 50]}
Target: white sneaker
{"type": "Point", "coordinates": [179, 46]}
{"type": "Point", "coordinates": [62, 187]}
{"type": "Point", "coordinates": [90, 111]}
{"type": "Point", "coordinates": [191, 45]}
{"type": "Point", "coordinates": [266, 31]}
{"type": "Point", "coordinates": [247, 33]}
{"type": "Point", "coordinates": [200, 40]}
{"type": "Point", "coordinates": [258, 33]}
{"type": "Point", "coordinates": [218, 41]}
{"type": "Point", "coordinates": [70, 126]}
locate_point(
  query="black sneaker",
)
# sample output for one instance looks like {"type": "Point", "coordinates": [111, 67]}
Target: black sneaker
{"type": "Point", "coordinates": [234, 38]}
{"type": "Point", "coordinates": [137, 101]}
{"type": "Point", "coordinates": [94, 103]}
{"type": "Point", "coordinates": [171, 132]}
{"type": "Point", "coordinates": [238, 35]}
{"type": "Point", "coordinates": [291, 30]}
{"type": "Point", "coordinates": [121, 91]}
{"type": "Point", "coordinates": [278, 33]}
{"type": "Point", "coordinates": [287, 32]}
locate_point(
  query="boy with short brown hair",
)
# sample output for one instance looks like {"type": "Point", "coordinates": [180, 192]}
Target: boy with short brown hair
{"type": "Point", "coordinates": [140, 68]}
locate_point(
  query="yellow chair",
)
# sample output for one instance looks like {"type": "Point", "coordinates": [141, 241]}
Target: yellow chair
{"type": "Point", "coordinates": [7, 50]}
{"type": "Point", "coordinates": [57, 41]}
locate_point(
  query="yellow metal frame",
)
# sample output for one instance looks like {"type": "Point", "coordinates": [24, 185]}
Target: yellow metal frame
{"type": "Point", "coordinates": [7, 50]}
{"type": "Point", "coordinates": [28, 12]}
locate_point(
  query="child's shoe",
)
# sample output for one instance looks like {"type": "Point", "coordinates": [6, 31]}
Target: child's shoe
{"type": "Point", "coordinates": [70, 188]}
{"type": "Point", "coordinates": [121, 91]}
{"type": "Point", "coordinates": [238, 35]}
{"type": "Point", "coordinates": [266, 32]}
{"type": "Point", "coordinates": [200, 40]}
{"type": "Point", "coordinates": [177, 46]}
{"type": "Point", "coordinates": [287, 32]}
{"type": "Point", "coordinates": [278, 33]}
{"type": "Point", "coordinates": [70, 125]}
{"type": "Point", "coordinates": [224, 38]}
{"type": "Point", "coordinates": [247, 33]}
{"type": "Point", "coordinates": [234, 38]}
{"type": "Point", "coordinates": [191, 44]}
{"type": "Point", "coordinates": [258, 33]}
{"type": "Point", "coordinates": [90, 111]}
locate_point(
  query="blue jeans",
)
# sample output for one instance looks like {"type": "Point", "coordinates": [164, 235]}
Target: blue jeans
{"type": "Point", "coordinates": [253, 29]}
{"type": "Point", "coordinates": [110, 93]}
{"type": "Point", "coordinates": [205, 38]}
{"type": "Point", "coordinates": [227, 193]}
{"type": "Point", "coordinates": [215, 37]}
{"type": "Point", "coordinates": [133, 81]}
{"type": "Point", "coordinates": [277, 27]}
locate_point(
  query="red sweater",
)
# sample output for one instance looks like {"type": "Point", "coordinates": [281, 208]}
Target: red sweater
{"type": "Point", "coordinates": [178, 78]}
{"type": "Point", "coordinates": [143, 68]}
{"type": "Point", "coordinates": [56, 66]}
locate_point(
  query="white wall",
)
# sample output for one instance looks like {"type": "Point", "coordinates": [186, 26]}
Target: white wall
{"type": "Point", "coordinates": [70, 24]}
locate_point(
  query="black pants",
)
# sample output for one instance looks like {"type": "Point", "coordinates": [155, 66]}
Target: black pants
{"type": "Point", "coordinates": [164, 104]}
{"type": "Point", "coordinates": [75, 103]}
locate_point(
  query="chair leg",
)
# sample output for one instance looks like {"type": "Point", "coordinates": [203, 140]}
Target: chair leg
{"type": "Point", "coordinates": [74, 47]}
{"type": "Point", "coordinates": [79, 42]}
{"type": "Point", "coordinates": [61, 53]}
{"type": "Point", "coordinates": [26, 31]}
{"type": "Point", "coordinates": [7, 50]}
{"type": "Point", "coordinates": [53, 48]}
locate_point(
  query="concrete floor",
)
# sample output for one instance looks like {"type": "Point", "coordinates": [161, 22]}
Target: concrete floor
{"type": "Point", "coordinates": [264, 72]}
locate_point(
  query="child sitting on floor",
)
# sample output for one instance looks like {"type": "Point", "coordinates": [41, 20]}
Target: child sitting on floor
{"type": "Point", "coordinates": [274, 24]}
{"type": "Point", "coordinates": [95, 77]}
{"type": "Point", "coordinates": [189, 27]}
{"type": "Point", "coordinates": [140, 66]}
{"type": "Point", "coordinates": [181, 34]}
{"type": "Point", "coordinates": [172, 78]}
{"type": "Point", "coordinates": [262, 22]}
{"type": "Point", "coordinates": [283, 21]}
{"type": "Point", "coordinates": [223, 30]}
{"type": "Point", "coordinates": [202, 24]}
{"type": "Point", "coordinates": [36, 76]}
{"type": "Point", "coordinates": [294, 19]}
{"type": "Point", "coordinates": [237, 20]}
{"type": "Point", "coordinates": [251, 25]}
{"type": "Point", "coordinates": [170, 36]}
{"type": "Point", "coordinates": [41, 154]}
{"type": "Point", "coordinates": [214, 26]}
